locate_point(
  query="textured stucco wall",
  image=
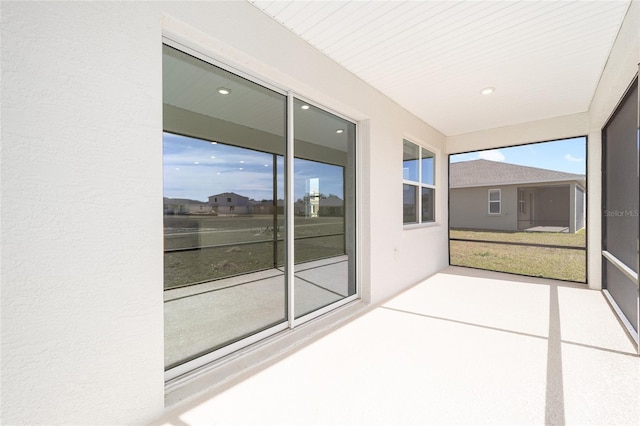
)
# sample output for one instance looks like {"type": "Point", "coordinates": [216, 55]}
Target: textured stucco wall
{"type": "Point", "coordinates": [82, 244]}
{"type": "Point", "coordinates": [82, 313]}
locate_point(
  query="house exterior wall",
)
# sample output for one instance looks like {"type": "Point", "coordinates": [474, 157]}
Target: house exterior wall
{"type": "Point", "coordinates": [82, 303]}
{"type": "Point", "coordinates": [469, 208]}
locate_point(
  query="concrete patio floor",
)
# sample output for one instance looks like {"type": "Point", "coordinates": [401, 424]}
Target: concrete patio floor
{"type": "Point", "coordinates": [551, 229]}
{"type": "Point", "coordinates": [462, 347]}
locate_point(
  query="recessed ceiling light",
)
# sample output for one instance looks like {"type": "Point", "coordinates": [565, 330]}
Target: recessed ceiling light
{"type": "Point", "coordinates": [214, 143]}
{"type": "Point", "coordinates": [339, 131]}
{"type": "Point", "coordinates": [224, 90]}
{"type": "Point", "coordinates": [488, 90]}
{"type": "Point", "coordinates": [305, 107]}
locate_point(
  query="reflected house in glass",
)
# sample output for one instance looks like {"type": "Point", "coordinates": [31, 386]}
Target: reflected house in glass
{"type": "Point", "coordinates": [331, 206]}
{"type": "Point", "coordinates": [500, 196]}
{"type": "Point", "coordinates": [267, 207]}
{"type": "Point", "coordinates": [320, 206]}
{"type": "Point", "coordinates": [230, 203]}
{"type": "Point", "coordinates": [174, 206]}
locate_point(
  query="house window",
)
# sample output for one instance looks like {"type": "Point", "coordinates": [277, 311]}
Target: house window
{"type": "Point", "coordinates": [522, 202]}
{"type": "Point", "coordinates": [494, 201]}
{"type": "Point", "coordinates": [232, 280]}
{"type": "Point", "coordinates": [418, 184]}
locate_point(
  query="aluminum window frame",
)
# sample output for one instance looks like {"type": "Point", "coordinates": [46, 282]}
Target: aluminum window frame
{"type": "Point", "coordinates": [419, 185]}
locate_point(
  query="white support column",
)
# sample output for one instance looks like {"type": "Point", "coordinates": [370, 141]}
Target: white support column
{"type": "Point", "coordinates": [594, 210]}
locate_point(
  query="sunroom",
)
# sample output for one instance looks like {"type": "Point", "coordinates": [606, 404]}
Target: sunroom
{"type": "Point", "coordinates": [208, 216]}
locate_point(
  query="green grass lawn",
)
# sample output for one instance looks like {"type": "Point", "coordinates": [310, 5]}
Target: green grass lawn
{"type": "Point", "coordinates": [551, 238]}
{"type": "Point", "coordinates": [546, 262]}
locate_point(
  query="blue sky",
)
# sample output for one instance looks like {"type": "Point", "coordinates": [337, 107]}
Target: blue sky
{"type": "Point", "coordinates": [196, 169]}
{"type": "Point", "coordinates": [567, 155]}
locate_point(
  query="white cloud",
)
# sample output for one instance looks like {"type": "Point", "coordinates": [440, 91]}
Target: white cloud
{"type": "Point", "coordinates": [492, 155]}
{"type": "Point", "coordinates": [570, 157]}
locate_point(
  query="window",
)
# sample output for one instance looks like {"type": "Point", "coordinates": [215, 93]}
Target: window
{"type": "Point", "coordinates": [418, 186]}
{"type": "Point", "coordinates": [281, 249]}
{"type": "Point", "coordinates": [494, 201]}
{"type": "Point", "coordinates": [522, 202]}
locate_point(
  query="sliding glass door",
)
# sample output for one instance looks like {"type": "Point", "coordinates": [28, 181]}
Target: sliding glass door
{"type": "Point", "coordinates": [324, 208]}
{"type": "Point", "coordinates": [244, 201]}
{"type": "Point", "coordinates": [223, 150]}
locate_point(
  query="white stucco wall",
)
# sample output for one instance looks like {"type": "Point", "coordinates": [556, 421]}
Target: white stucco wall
{"type": "Point", "coordinates": [81, 245]}
{"type": "Point", "coordinates": [82, 312]}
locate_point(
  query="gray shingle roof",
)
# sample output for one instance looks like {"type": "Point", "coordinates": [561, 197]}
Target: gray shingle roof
{"type": "Point", "coordinates": [488, 173]}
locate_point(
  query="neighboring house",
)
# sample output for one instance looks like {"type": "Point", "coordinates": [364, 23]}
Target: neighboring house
{"type": "Point", "coordinates": [331, 206]}
{"type": "Point", "coordinates": [319, 206]}
{"type": "Point", "coordinates": [267, 207]}
{"type": "Point", "coordinates": [501, 196]}
{"type": "Point", "coordinates": [185, 206]}
{"type": "Point", "coordinates": [230, 203]}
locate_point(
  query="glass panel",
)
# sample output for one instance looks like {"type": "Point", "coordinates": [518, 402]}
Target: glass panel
{"type": "Point", "coordinates": [494, 195]}
{"type": "Point", "coordinates": [324, 194]}
{"type": "Point", "coordinates": [410, 161]}
{"type": "Point", "coordinates": [223, 207]}
{"type": "Point", "coordinates": [428, 205]}
{"type": "Point", "coordinates": [494, 207]}
{"type": "Point", "coordinates": [428, 164]}
{"type": "Point", "coordinates": [409, 203]}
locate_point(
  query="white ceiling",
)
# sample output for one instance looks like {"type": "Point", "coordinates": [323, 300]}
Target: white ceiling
{"type": "Point", "coordinates": [433, 57]}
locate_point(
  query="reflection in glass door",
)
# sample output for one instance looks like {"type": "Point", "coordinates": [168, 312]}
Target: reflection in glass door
{"type": "Point", "coordinates": [243, 202]}
{"type": "Point", "coordinates": [324, 208]}
{"type": "Point", "coordinates": [223, 205]}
